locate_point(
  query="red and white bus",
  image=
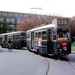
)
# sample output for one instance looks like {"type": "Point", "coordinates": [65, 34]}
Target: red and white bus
{"type": "Point", "coordinates": [50, 39]}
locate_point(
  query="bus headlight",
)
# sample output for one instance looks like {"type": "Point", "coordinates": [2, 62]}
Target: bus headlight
{"type": "Point", "coordinates": [64, 48]}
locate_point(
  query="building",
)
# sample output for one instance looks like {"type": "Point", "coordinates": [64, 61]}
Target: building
{"type": "Point", "coordinates": [9, 20]}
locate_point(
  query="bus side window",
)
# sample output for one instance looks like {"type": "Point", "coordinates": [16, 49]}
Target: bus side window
{"type": "Point", "coordinates": [39, 35]}
{"type": "Point", "coordinates": [44, 36]}
{"type": "Point", "coordinates": [54, 35]}
{"type": "Point", "coordinates": [28, 36]}
{"type": "Point", "coordinates": [36, 36]}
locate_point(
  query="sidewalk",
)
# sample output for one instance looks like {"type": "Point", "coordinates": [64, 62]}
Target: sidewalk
{"type": "Point", "coordinates": [73, 51]}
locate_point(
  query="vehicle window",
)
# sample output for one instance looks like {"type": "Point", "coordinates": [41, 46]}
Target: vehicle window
{"type": "Point", "coordinates": [36, 36]}
{"type": "Point", "coordinates": [23, 36]}
{"type": "Point", "coordinates": [39, 36]}
{"type": "Point", "coordinates": [54, 35]}
{"type": "Point", "coordinates": [0, 39]}
{"type": "Point", "coordinates": [63, 35]}
{"type": "Point", "coordinates": [16, 37]}
{"type": "Point", "coordinates": [44, 36]}
{"type": "Point", "coordinates": [28, 36]}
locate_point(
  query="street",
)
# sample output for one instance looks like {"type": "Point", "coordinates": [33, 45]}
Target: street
{"type": "Point", "coordinates": [23, 62]}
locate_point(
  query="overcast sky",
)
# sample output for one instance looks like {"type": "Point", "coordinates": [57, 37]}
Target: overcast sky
{"type": "Point", "coordinates": [54, 7]}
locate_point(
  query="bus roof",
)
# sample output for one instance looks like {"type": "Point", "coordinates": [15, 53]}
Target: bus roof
{"type": "Point", "coordinates": [42, 27]}
{"type": "Point", "coordinates": [10, 33]}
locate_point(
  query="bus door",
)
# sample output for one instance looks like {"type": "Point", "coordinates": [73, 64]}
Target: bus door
{"type": "Point", "coordinates": [49, 42]}
{"type": "Point", "coordinates": [32, 40]}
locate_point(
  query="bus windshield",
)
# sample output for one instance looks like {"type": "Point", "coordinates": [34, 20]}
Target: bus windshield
{"type": "Point", "coordinates": [63, 34]}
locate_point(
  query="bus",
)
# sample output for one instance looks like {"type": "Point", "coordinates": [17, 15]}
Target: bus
{"type": "Point", "coordinates": [18, 39]}
{"type": "Point", "coordinates": [52, 39]}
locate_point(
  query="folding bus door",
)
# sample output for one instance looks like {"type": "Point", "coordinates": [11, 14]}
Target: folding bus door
{"type": "Point", "coordinates": [49, 42]}
{"type": "Point", "coordinates": [32, 40]}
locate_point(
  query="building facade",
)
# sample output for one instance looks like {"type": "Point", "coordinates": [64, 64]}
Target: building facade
{"type": "Point", "coordinates": [9, 20]}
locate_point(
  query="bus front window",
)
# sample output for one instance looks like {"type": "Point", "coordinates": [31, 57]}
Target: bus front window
{"type": "Point", "coordinates": [63, 35]}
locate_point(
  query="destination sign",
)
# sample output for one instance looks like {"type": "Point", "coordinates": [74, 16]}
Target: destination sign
{"type": "Point", "coordinates": [63, 22]}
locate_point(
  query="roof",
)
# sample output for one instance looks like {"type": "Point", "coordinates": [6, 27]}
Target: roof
{"type": "Point", "coordinates": [12, 33]}
{"type": "Point", "coordinates": [42, 27]}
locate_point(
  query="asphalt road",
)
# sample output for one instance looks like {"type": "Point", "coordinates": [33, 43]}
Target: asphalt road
{"type": "Point", "coordinates": [23, 62]}
{"type": "Point", "coordinates": [64, 66]}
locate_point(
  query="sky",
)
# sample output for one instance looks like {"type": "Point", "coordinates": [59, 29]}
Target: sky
{"type": "Point", "coordinates": [50, 7]}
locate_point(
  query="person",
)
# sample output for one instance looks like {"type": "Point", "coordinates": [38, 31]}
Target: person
{"type": "Point", "coordinates": [9, 44]}
{"type": "Point", "coordinates": [9, 41]}
{"type": "Point", "coordinates": [60, 35]}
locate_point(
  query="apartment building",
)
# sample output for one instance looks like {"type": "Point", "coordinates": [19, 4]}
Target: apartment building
{"type": "Point", "coordinates": [9, 20]}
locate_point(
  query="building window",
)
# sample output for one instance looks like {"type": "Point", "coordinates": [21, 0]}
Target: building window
{"type": "Point", "coordinates": [4, 14]}
{"type": "Point", "coordinates": [21, 15]}
{"type": "Point", "coordinates": [1, 19]}
{"type": "Point", "coordinates": [26, 16]}
{"type": "Point", "coordinates": [19, 20]}
{"type": "Point", "coordinates": [10, 20]}
{"type": "Point", "coordinates": [16, 15]}
{"type": "Point", "coordinates": [0, 13]}
{"type": "Point", "coordinates": [1, 25]}
{"type": "Point", "coordinates": [10, 14]}
{"type": "Point", "coordinates": [11, 27]}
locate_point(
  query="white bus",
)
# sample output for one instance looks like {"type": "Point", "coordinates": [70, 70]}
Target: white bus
{"type": "Point", "coordinates": [50, 39]}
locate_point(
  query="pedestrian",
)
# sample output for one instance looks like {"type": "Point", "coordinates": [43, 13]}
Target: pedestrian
{"type": "Point", "coordinates": [9, 44]}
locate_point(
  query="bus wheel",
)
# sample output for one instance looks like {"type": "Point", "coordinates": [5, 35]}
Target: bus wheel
{"type": "Point", "coordinates": [39, 52]}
